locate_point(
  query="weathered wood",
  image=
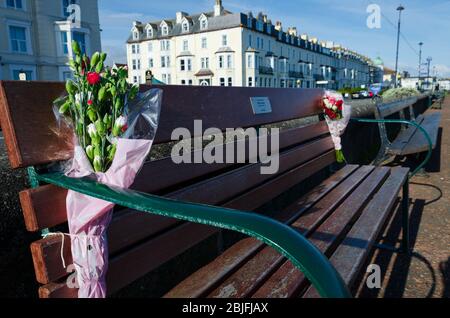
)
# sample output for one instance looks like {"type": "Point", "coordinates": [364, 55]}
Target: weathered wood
{"type": "Point", "coordinates": [169, 175]}
{"type": "Point", "coordinates": [404, 137]}
{"type": "Point", "coordinates": [288, 280]}
{"type": "Point", "coordinates": [51, 268]}
{"type": "Point", "coordinates": [245, 280]}
{"type": "Point", "coordinates": [418, 142]}
{"type": "Point", "coordinates": [355, 248]}
{"type": "Point", "coordinates": [204, 280]}
{"type": "Point", "coordinates": [388, 109]}
{"type": "Point", "coordinates": [31, 130]}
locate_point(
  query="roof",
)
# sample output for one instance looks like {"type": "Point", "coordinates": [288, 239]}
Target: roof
{"type": "Point", "coordinates": [204, 72]}
{"type": "Point", "coordinates": [388, 71]}
{"type": "Point", "coordinates": [225, 49]}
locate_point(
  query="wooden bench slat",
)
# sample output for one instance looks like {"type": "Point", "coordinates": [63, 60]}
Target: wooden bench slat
{"type": "Point", "coordinates": [35, 201]}
{"type": "Point", "coordinates": [245, 280]}
{"type": "Point", "coordinates": [352, 253]}
{"type": "Point", "coordinates": [206, 278]}
{"type": "Point", "coordinates": [418, 142]}
{"type": "Point", "coordinates": [30, 126]}
{"type": "Point", "coordinates": [404, 137]}
{"type": "Point", "coordinates": [140, 226]}
{"type": "Point", "coordinates": [288, 280]}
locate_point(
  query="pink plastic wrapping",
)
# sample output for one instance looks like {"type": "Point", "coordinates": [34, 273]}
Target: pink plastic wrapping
{"type": "Point", "coordinates": [88, 217]}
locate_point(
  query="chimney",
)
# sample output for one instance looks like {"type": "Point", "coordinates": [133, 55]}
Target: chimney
{"type": "Point", "coordinates": [293, 31]}
{"type": "Point", "coordinates": [136, 23]}
{"type": "Point", "coordinates": [218, 8]}
{"type": "Point", "coordinates": [265, 18]}
{"type": "Point", "coordinates": [278, 26]}
{"type": "Point", "coordinates": [180, 16]}
{"type": "Point", "coordinates": [260, 16]}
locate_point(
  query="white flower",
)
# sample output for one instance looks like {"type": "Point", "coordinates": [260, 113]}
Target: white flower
{"type": "Point", "coordinates": [92, 131]}
{"type": "Point", "coordinates": [335, 108]}
{"type": "Point", "coordinates": [78, 98]}
{"type": "Point", "coordinates": [121, 122]}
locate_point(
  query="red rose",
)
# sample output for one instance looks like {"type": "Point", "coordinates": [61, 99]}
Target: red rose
{"type": "Point", "coordinates": [339, 103]}
{"type": "Point", "coordinates": [89, 102]}
{"type": "Point", "coordinates": [124, 128]}
{"type": "Point", "coordinates": [93, 78]}
{"type": "Point", "coordinates": [330, 114]}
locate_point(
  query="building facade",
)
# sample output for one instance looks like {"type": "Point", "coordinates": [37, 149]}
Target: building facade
{"type": "Point", "coordinates": [35, 37]}
{"type": "Point", "coordinates": [221, 48]}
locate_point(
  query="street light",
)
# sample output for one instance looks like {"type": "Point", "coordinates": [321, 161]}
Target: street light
{"type": "Point", "coordinates": [420, 57]}
{"type": "Point", "coordinates": [399, 9]}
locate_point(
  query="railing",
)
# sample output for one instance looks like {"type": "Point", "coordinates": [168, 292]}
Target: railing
{"type": "Point", "coordinates": [267, 70]}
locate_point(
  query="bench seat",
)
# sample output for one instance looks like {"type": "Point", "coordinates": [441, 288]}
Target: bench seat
{"type": "Point", "coordinates": [412, 140]}
{"type": "Point", "coordinates": [342, 217]}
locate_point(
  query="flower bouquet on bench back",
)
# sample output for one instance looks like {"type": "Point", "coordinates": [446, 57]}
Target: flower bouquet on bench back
{"type": "Point", "coordinates": [114, 127]}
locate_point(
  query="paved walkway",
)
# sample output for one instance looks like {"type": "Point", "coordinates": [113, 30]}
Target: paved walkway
{"type": "Point", "coordinates": [427, 272]}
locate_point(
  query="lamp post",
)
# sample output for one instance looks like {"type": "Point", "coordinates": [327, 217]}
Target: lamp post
{"type": "Point", "coordinates": [420, 57]}
{"type": "Point", "coordinates": [399, 9]}
{"type": "Point", "coordinates": [22, 75]}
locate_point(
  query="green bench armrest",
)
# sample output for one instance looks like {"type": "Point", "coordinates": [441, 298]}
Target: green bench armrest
{"type": "Point", "coordinates": [407, 122]}
{"type": "Point", "coordinates": [303, 254]}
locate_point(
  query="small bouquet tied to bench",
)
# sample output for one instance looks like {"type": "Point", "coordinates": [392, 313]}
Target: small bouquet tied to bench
{"type": "Point", "coordinates": [114, 127]}
{"type": "Point", "coordinates": [337, 116]}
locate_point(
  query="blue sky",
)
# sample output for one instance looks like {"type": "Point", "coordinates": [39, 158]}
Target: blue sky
{"type": "Point", "coordinates": [342, 21]}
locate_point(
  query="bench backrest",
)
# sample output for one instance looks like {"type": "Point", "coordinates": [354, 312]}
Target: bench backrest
{"type": "Point", "coordinates": [140, 243]}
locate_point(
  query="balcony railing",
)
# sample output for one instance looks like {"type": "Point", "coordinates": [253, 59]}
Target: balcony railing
{"type": "Point", "coordinates": [295, 74]}
{"type": "Point", "coordinates": [267, 70]}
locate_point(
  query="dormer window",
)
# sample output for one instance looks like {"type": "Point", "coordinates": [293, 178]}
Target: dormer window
{"type": "Point", "coordinates": [165, 30]}
{"type": "Point", "coordinates": [149, 33]}
{"type": "Point", "coordinates": [203, 22]}
{"type": "Point", "coordinates": [185, 27]}
{"type": "Point", "coordinates": [135, 35]}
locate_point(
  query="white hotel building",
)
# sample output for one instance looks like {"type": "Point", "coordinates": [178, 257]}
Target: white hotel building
{"type": "Point", "coordinates": [235, 49]}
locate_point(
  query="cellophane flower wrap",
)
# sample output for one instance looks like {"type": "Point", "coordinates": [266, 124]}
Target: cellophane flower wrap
{"type": "Point", "coordinates": [337, 116]}
{"type": "Point", "coordinates": [114, 127]}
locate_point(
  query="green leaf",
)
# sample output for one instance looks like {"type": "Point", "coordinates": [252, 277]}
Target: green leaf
{"type": "Point", "coordinates": [76, 48]}
{"type": "Point", "coordinates": [95, 59]}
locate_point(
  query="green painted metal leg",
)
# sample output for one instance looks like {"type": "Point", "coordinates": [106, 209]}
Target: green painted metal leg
{"type": "Point", "coordinates": [405, 219]}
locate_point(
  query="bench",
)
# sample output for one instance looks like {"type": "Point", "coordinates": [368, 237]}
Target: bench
{"type": "Point", "coordinates": [315, 244]}
{"type": "Point", "coordinates": [418, 133]}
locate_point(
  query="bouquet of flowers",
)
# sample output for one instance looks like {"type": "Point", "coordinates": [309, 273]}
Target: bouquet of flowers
{"type": "Point", "coordinates": [95, 106]}
{"type": "Point", "coordinates": [114, 126]}
{"type": "Point", "coordinates": [337, 115]}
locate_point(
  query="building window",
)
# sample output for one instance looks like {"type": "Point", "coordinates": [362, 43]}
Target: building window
{"type": "Point", "coordinates": [229, 61]}
{"type": "Point", "coordinates": [189, 65]}
{"type": "Point", "coordinates": [185, 45]}
{"type": "Point", "coordinates": [14, 4]}
{"type": "Point", "coordinates": [249, 61]}
{"type": "Point", "coordinates": [204, 23]}
{"type": "Point", "coordinates": [230, 81]}
{"type": "Point", "coordinates": [149, 32]}
{"type": "Point", "coordinates": [190, 82]}
{"type": "Point", "coordinates": [80, 38]}
{"type": "Point", "coordinates": [169, 79]}
{"type": "Point", "coordinates": [64, 43]}
{"type": "Point", "coordinates": [165, 45]}
{"type": "Point", "coordinates": [185, 27]}
{"type": "Point", "coordinates": [165, 61]}
{"type": "Point", "coordinates": [205, 62]}
{"type": "Point", "coordinates": [150, 46]}
{"type": "Point", "coordinates": [204, 43]}
{"type": "Point", "coordinates": [28, 75]}
{"type": "Point", "coordinates": [222, 81]}
{"type": "Point", "coordinates": [150, 63]}
{"type": "Point", "coordinates": [250, 82]}
{"type": "Point", "coordinates": [135, 35]}
{"type": "Point", "coordinates": [136, 64]}
{"type": "Point", "coordinates": [220, 61]}
{"type": "Point", "coordinates": [18, 36]}
{"type": "Point", "coordinates": [183, 82]}
{"type": "Point", "coordinates": [224, 40]}
{"type": "Point", "coordinates": [165, 30]}
{"type": "Point", "coordinates": [262, 44]}
{"type": "Point", "coordinates": [135, 79]}
{"type": "Point", "coordinates": [135, 49]}
{"type": "Point", "coordinates": [257, 43]}
{"type": "Point", "coordinates": [182, 65]}
{"type": "Point", "coordinates": [250, 40]}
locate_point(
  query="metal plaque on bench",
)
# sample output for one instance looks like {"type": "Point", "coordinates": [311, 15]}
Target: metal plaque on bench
{"type": "Point", "coordinates": [261, 105]}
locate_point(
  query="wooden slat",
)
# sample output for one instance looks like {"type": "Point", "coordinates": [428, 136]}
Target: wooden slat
{"type": "Point", "coordinates": [355, 248]}
{"type": "Point", "coordinates": [146, 248]}
{"type": "Point", "coordinates": [287, 281]}
{"type": "Point", "coordinates": [35, 202]}
{"type": "Point", "coordinates": [30, 127]}
{"type": "Point", "coordinates": [404, 137]}
{"type": "Point", "coordinates": [205, 279]}
{"type": "Point", "coordinates": [246, 280]}
{"type": "Point", "coordinates": [53, 270]}
{"type": "Point", "coordinates": [418, 142]}
{"type": "Point", "coordinates": [394, 107]}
